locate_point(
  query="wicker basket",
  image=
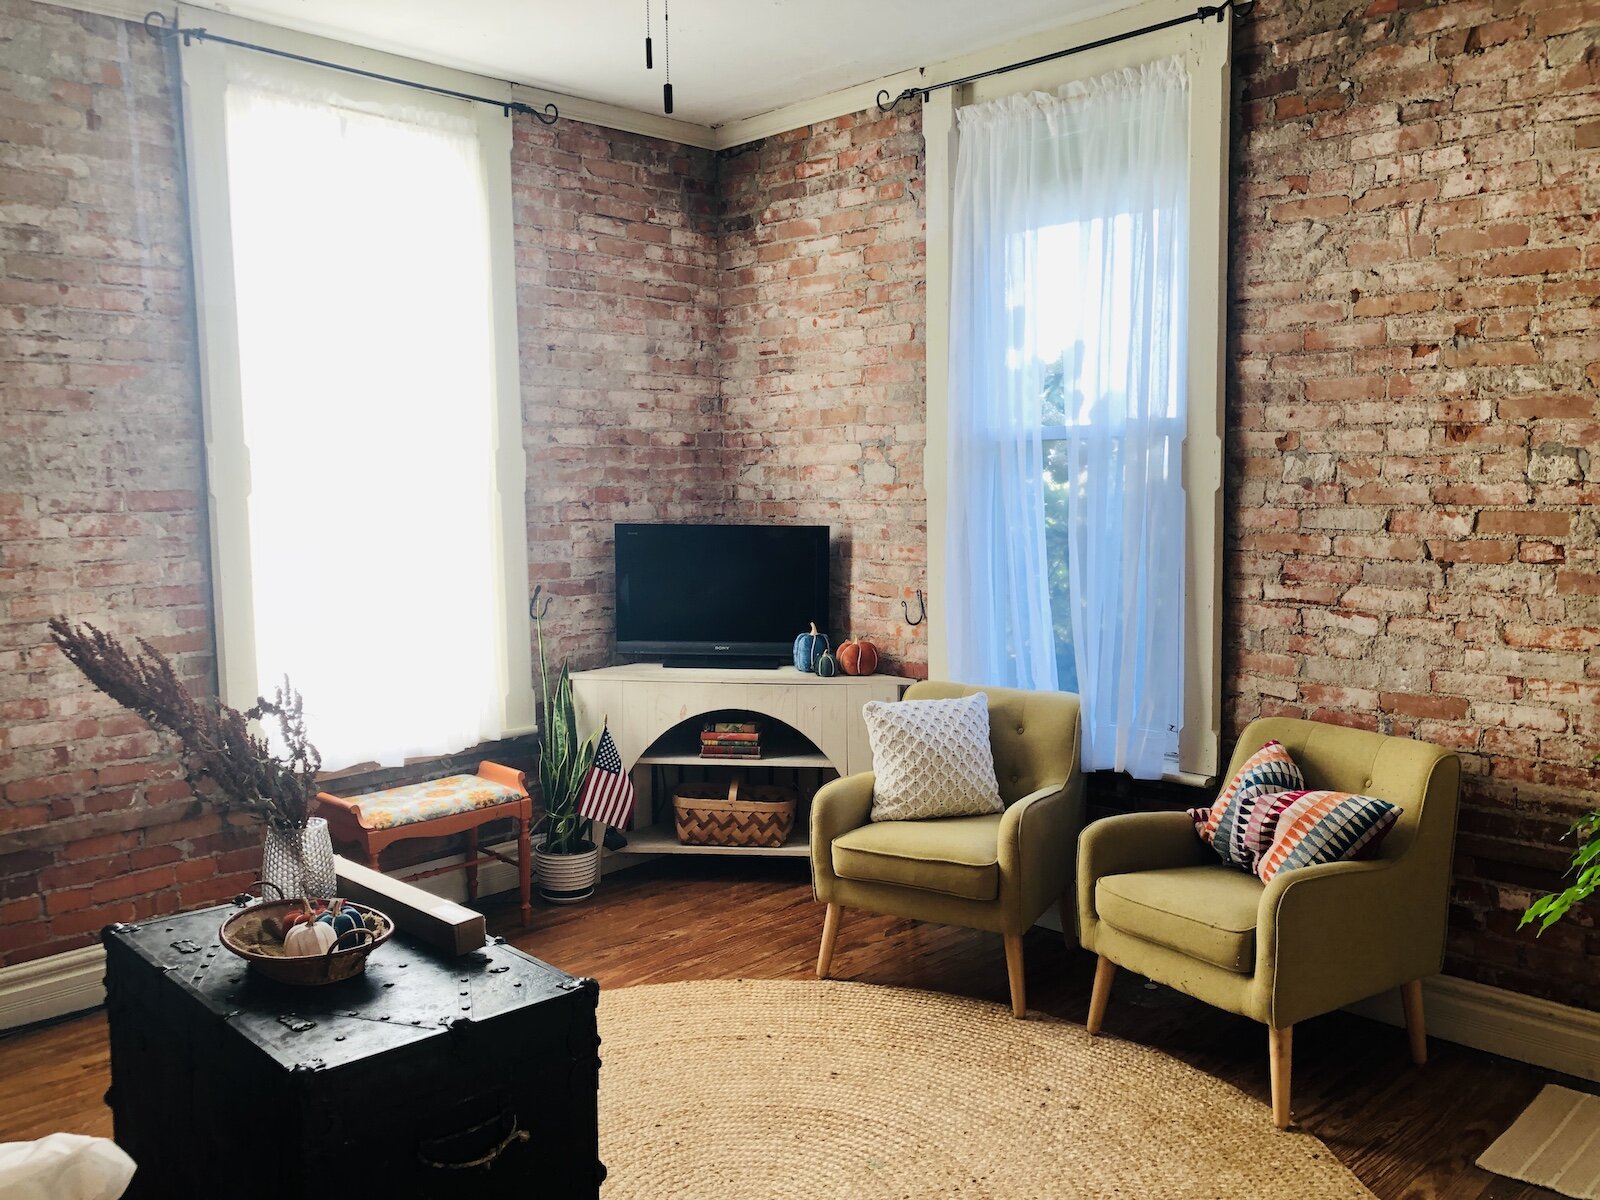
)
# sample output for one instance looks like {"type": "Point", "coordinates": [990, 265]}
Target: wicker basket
{"type": "Point", "coordinates": [762, 815]}
{"type": "Point", "coordinates": [243, 934]}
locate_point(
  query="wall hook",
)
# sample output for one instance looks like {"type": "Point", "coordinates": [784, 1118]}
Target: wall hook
{"type": "Point", "coordinates": [922, 610]}
{"type": "Point", "coordinates": [535, 610]}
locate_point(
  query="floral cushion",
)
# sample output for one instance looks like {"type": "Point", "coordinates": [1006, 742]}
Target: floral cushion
{"type": "Point", "coordinates": [429, 801]}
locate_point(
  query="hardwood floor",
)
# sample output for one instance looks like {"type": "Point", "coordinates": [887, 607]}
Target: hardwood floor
{"type": "Point", "coordinates": [1410, 1133]}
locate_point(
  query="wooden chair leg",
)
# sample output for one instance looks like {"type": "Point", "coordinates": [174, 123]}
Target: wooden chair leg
{"type": "Point", "coordinates": [830, 934]}
{"type": "Point", "coordinates": [1411, 999]}
{"type": "Point", "coordinates": [472, 866]}
{"type": "Point", "coordinates": [1280, 1048]}
{"type": "Point", "coordinates": [1104, 972]}
{"type": "Point", "coordinates": [525, 867]}
{"type": "Point", "coordinates": [372, 860]}
{"type": "Point", "coordinates": [1014, 972]}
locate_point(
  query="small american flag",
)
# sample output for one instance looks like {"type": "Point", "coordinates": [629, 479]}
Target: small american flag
{"type": "Point", "coordinates": [608, 792]}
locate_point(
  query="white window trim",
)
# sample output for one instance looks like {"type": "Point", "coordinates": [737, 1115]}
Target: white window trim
{"type": "Point", "coordinates": [1205, 49]}
{"type": "Point", "coordinates": [227, 458]}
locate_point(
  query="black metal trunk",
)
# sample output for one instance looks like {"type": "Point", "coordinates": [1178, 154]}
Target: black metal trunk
{"type": "Point", "coordinates": [428, 1077]}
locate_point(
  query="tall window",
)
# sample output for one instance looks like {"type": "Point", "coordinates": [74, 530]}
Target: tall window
{"type": "Point", "coordinates": [357, 406]}
{"type": "Point", "coordinates": [1066, 508]}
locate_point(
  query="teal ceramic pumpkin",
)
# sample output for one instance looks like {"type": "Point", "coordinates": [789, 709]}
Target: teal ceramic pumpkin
{"type": "Point", "coordinates": [808, 648]}
{"type": "Point", "coordinates": [826, 666]}
{"type": "Point", "coordinates": [347, 920]}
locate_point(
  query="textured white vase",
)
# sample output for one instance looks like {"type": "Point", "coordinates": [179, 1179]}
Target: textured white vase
{"type": "Point", "coordinates": [299, 862]}
{"type": "Point", "coordinates": [566, 878]}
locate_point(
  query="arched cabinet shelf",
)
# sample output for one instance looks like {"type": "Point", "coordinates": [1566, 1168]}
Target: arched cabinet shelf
{"type": "Point", "coordinates": [655, 713]}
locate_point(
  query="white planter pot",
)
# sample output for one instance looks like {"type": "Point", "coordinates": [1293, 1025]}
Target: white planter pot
{"type": "Point", "coordinates": [566, 878]}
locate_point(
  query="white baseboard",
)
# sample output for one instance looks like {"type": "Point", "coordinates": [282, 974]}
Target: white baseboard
{"type": "Point", "coordinates": [52, 987]}
{"type": "Point", "coordinates": [1525, 1028]}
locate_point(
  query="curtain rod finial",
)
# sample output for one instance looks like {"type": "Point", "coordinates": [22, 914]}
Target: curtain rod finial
{"type": "Point", "coordinates": [886, 105]}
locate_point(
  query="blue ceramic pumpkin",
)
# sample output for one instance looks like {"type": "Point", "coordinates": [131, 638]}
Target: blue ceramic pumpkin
{"type": "Point", "coordinates": [347, 920]}
{"type": "Point", "coordinates": [808, 648]}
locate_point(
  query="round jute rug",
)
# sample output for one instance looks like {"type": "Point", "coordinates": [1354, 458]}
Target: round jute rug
{"type": "Point", "coordinates": [763, 1090]}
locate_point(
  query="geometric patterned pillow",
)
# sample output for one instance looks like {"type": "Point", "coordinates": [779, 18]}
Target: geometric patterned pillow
{"type": "Point", "coordinates": [1324, 827]}
{"type": "Point", "coordinates": [1240, 824]}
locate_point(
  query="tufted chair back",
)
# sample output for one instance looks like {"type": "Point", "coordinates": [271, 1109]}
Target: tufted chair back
{"type": "Point", "coordinates": [1034, 735]}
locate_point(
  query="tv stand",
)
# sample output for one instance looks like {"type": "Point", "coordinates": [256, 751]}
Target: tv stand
{"type": "Point", "coordinates": [814, 731]}
{"type": "Point", "coordinates": [707, 662]}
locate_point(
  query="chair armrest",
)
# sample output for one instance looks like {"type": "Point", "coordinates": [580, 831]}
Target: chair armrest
{"type": "Point", "coordinates": [1335, 933]}
{"type": "Point", "coordinates": [1037, 835]}
{"type": "Point", "coordinates": [1028, 819]}
{"type": "Point", "coordinates": [505, 776]}
{"type": "Point", "coordinates": [836, 809]}
{"type": "Point", "coordinates": [1134, 842]}
{"type": "Point", "coordinates": [1140, 842]}
{"type": "Point", "coordinates": [343, 816]}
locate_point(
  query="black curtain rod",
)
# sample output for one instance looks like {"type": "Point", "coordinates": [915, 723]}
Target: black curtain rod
{"type": "Point", "coordinates": [1204, 13]}
{"type": "Point", "coordinates": [156, 26]}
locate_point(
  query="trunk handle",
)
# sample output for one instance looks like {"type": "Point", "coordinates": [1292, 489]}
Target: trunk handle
{"type": "Point", "coordinates": [516, 1135]}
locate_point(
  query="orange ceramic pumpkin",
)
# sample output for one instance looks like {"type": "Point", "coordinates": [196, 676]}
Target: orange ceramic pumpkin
{"type": "Point", "coordinates": [857, 657]}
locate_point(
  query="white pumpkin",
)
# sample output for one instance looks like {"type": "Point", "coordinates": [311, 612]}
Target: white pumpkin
{"type": "Point", "coordinates": [309, 937]}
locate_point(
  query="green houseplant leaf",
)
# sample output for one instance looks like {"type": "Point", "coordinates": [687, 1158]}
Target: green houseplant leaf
{"type": "Point", "coordinates": [1585, 869]}
{"type": "Point", "coordinates": [564, 760]}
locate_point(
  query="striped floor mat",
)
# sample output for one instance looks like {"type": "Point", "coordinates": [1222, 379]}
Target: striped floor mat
{"type": "Point", "coordinates": [1555, 1143]}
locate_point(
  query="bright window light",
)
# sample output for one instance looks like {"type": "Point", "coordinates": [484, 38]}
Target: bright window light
{"type": "Point", "coordinates": [361, 263]}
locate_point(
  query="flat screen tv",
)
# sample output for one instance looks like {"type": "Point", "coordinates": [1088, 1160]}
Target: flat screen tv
{"type": "Point", "coordinates": [720, 595]}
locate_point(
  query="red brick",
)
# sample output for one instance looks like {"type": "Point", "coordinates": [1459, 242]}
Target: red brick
{"type": "Point", "coordinates": [1544, 637]}
{"type": "Point", "coordinates": [1471, 551]}
{"type": "Point", "coordinates": [1533, 262]}
{"type": "Point", "coordinates": [1467, 239]}
{"type": "Point", "coordinates": [1578, 583]}
{"type": "Point", "coordinates": [1445, 708]}
{"type": "Point", "coordinates": [1312, 209]}
{"type": "Point", "coordinates": [1531, 522]}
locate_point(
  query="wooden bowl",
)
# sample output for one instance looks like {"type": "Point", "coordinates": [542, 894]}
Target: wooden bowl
{"type": "Point", "coordinates": [243, 934]}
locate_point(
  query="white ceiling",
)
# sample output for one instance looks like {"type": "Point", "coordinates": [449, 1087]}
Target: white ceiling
{"type": "Point", "coordinates": [730, 58]}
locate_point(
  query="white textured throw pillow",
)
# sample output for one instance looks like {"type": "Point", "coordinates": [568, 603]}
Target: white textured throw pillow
{"type": "Point", "coordinates": [932, 759]}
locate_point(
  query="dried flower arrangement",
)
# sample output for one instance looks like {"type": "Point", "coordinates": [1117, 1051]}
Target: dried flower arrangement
{"type": "Point", "coordinates": [224, 762]}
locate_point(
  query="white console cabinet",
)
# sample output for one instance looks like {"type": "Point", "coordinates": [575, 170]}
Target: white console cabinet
{"type": "Point", "coordinates": [811, 726]}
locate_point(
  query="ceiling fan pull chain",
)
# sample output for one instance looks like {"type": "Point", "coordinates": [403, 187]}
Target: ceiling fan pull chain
{"type": "Point", "coordinates": [649, 56]}
{"type": "Point", "coordinates": [666, 55]}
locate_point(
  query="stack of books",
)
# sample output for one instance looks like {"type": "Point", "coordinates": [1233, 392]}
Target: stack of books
{"type": "Point", "coordinates": [731, 739]}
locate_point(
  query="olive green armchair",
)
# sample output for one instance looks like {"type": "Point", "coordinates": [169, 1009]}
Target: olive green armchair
{"type": "Point", "coordinates": [1155, 899]}
{"type": "Point", "coordinates": [998, 872]}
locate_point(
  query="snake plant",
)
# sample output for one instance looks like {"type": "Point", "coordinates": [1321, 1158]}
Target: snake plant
{"type": "Point", "coordinates": [564, 761]}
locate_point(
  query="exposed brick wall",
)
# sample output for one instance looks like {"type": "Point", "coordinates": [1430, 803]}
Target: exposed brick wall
{"type": "Point", "coordinates": [617, 295]}
{"type": "Point", "coordinates": [1414, 439]}
{"type": "Point", "coordinates": [1414, 450]}
{"type": "Point", "coordinates": [822, 357]}
{"type": "Point", "coordinates": [1411, 527]}
{"type": "Point", "coordinates": [101, 501]}
{"type": "Point", "coordinates": [102, 508]}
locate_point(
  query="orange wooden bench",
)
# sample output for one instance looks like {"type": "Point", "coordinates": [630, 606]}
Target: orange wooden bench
{"type": "Point", "coordinates": [440, 808]}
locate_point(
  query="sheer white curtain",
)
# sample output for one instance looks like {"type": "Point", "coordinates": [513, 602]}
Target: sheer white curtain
{"type": "Point", "coordinates": [366, 380]}
{"type": "Point", "coordinates": [1070, 256]}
